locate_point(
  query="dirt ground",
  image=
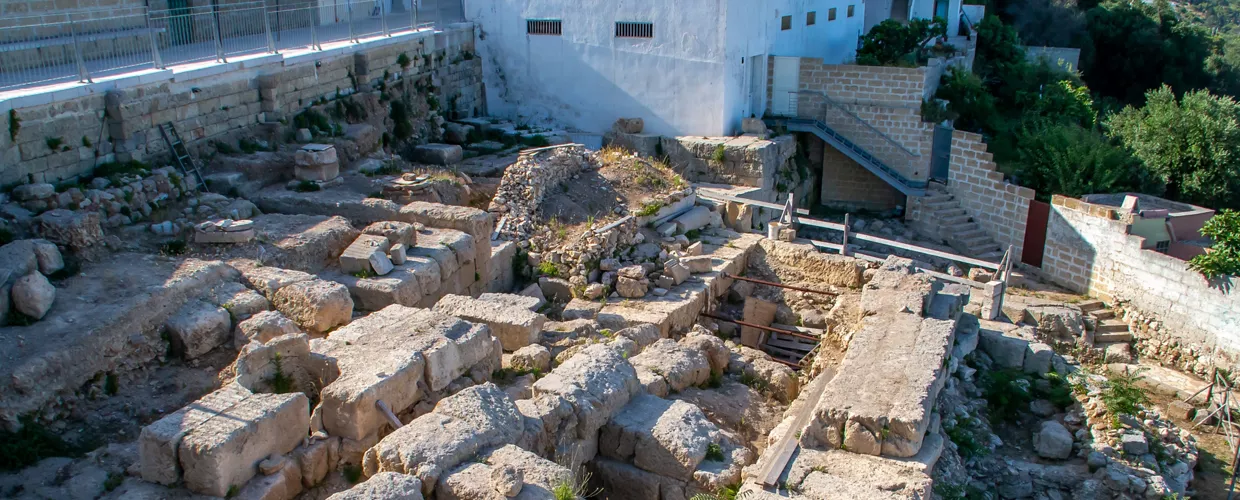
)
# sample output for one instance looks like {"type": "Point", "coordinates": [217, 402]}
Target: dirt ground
{"type": "Point", "coordinates": [1213, 474]}
{"type": "Point", "coordinates": [623, 180]}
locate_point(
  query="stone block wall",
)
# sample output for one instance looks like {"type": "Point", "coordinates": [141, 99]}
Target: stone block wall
{"type": "Point", "coordinates": [849, 186]}
{"type": "Point", "coordinates": [1089, 250]}
{"type": "Point", "coordinates": [873, 85]}
{"type": "Point", "coordinates": [221, 102]}
{"type": "Point", "coordinates": [999, 207]}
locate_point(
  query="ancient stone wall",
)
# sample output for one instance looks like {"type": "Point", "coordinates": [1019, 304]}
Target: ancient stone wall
{"type": "Point", "coordinates": [1089, 250]}
{"type": "Point", "coordinates": [219, 103]}
{"type": "Point", "coordinates": [999, 207]}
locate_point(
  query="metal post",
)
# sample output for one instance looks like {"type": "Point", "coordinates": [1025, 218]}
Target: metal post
{"type": "Point", "coordinates": [83, 75]}
{"type": "Point", "coordinates": [271, 42]}
{"type": "Point", "coordinates": [383, 20]}
{"type": "Point", "coordinates": [349, 12]}
{"type": "Point", "coordinates": [156, 61]}
{"type": "Point", "coordinates": [215, 34]}
{"type": "Point", "coordinates": [413, 15]}
{"type": "Point", "coordinates": [844, 246]}
{"type": "Point", "coordinates": [314, 34]}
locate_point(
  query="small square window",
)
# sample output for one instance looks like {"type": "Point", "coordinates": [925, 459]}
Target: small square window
{"type": "Point", "coordinates": [785, 23]}
{"type": "Point", "coordinates": [831, 14]}
{"type": "Point", "coordinates": [850, 10]}
{"type": "Point", "coordinates": [1163, 246]}
{"type": "Point", "coordinates": [634, 30]}
{"type": "Point", "coordinates": [811, 18]}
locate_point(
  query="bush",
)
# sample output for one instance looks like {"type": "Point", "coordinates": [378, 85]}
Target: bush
{"type": "Point", "coordinates": [1121, 394]}
{"type": "Point", "coordinates": [1223, 257]}
{"type": "Point", "coordinates": [969, 100]}
{"type": "Point", "coordinates": [714, 452]}
{"type": "Point", "coordinates": [29, 445]}
{"type": "Point", "coordinates": [1072, 161]}
{"type": "Point", "coordinates": [892, 42]}
{"type": "Point", "coordinates": [1007, 392]}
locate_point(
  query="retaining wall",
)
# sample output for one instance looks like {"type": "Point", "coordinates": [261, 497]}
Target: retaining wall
{"type": "Point", "coordinates": [1000, 208]}
{"type": "Point", "coordinates": [1089, 250]}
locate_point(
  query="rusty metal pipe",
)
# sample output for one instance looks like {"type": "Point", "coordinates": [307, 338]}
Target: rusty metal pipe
{"type": "Point", "coordinates": [760, 327]}
{"type": "Point", "coordinates": [780, 285]}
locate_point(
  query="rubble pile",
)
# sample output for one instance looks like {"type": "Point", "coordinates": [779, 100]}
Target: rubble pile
{"type": "Point", "coordinates": [528, 181]}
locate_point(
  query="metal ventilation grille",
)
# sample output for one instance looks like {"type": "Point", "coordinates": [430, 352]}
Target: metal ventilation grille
{"type": "Point", "coordinates": [634, 30]}
{"type": "Point", "coordinates": [543, 27]}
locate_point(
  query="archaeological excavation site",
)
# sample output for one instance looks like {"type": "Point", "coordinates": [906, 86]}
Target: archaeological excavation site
{"type": "Point", "coordinates": [341, 272]}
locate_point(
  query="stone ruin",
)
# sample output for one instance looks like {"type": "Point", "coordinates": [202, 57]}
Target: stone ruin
{"type": "Point", "coordinates": [327, 343]}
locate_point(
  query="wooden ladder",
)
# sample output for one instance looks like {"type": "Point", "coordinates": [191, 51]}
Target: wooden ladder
{"type": "Point", "coordinates": [187, 163]}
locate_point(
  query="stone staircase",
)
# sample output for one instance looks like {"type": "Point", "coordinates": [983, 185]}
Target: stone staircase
{"type": "Point", "coordinates": [1109, 330]}
{"type": "Point", "coordinates": [947, 219]}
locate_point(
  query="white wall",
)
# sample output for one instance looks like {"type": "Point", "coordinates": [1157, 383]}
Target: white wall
{"type": "Point", "coordinates": [587, 78]}
{"type": "Point", "coordinates": [835, 42]}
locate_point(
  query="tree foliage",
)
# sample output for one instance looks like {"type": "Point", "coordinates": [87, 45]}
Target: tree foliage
{"type": "Point", "coordinates": [1223, 257]}
{"type": "Point", "coordinates": [1067, 159]}
{"type": "Point", "coordinates": [892, 43]}
{"type": "Point", "coordinates": [1192, 143]}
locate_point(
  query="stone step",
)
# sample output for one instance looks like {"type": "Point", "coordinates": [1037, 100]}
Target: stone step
{"type": "Point", "coordinates": [984, 249]}
{"type": "Point", "coordinates": [937, 198]}
{"type": "Point", "coordinates": [993, 256]}
{"type": "Point", "coordinates": [970, 231]}
{"type": "Point", "coordinates": [1112, 326]}
{"type": "Point", "coordinates": [1102, 314]}
{"type": "Point", "coordinates": [1091, 305]}
{"type": "Point", "coordinates": [955, 219]}
{"type": "Point", "coordinates": [950, 212]}
{"type": "Point", "coordinates": [1106, 338]}
{"type": "Point", "coordinates": [943, 205]}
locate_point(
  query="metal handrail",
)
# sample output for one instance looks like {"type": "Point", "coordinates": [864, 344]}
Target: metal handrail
{"type": "Point", "coordinates": [831, 102]}
{"type": "Point", "coordinates": [94, 42]}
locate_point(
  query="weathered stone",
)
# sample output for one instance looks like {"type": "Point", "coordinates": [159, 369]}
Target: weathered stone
{"type": "Point", "coordinates": [384, 485]}
{"type": "Point", "coordinates": [577, 398]}
{"type": "Point", "coordinates": [473, 419]}
{"type": "Point", "coordinates": [758, 312]}
{"type": "Point", "coordinates": [631, 288]}
{"type": "Point", "coordinates": [666, 437]}
{"type": "Point", "coordinates": [699, 264]}
{"type": "Point", "coordinates": [555, 289]}
{"type": "Point", "coordinates": [528, 302]}
{"type": "Point", "coordinates": [580, 309]}
{"type": "Point", "coordinates": [48, 256]}
{"type": "Point", "coordinates": [681, 366]}
{"type": "Point", "coordinates": [316, 162]}
{"type": "Point", "coordinates": [397, 233]}
{"type": "Point", "coordinates": [357, 257]}
{"type": "Point", "coordinates": [859, 439]}
{"type": "Point", "coordinates": [594, 291]}
{"type": "Point", "coordinates": [1053, 441]}
{"type": "Point", "coordinates": [504, 472]}
{"type": "Point", "coordinates": [263, 327]}
{"type": "Point", "coordinates": [515, 327]}
{"type": "Point", "coordinates": [240, 302]}
{"type": "Point", "coordinates": [1038, 358]}
{"type": "Point", "coordinates": [677, 271]}
{"type": "Point", "coordinates": [643, 335]}
{"type": "Point", "coordinates": [158, 442]}
{"type": "Point", "coordinates": [33, 295]}
{"type": "Point", "coordinates": [381, 264]}
{"type": "Point", "coordinates": [532, 357]}
{"type": "Point", "coordinates": [197, 328]}
{"type": "Point", "coordinates": [1007, 352]}
{"type": "Point", "coordinates": [221, 453]}
{"type": "Point", "coordinates": [438, 154]}
{"type": "Point", "coordinates": [269, 280]}
{"type": "Point", "coordinates": [74, 230]}
{"type": "Point", "coordinates": [317, 306]}
{"type": "Point", "coordinates": [1134, 443]}
{"type": "Point", "coordinates": [1119, 352]}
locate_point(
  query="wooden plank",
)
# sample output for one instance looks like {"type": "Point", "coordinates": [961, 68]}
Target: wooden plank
{"type": "Point", "coordinates": [953, 279]}
{"type": "Point", "coordinates": [777, 456]}
{"type": "Point", "coordinates": [793, 346]}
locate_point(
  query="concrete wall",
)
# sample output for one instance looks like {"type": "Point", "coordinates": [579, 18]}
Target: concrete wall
{"type": "Point", "coordinates": [216, 102]}
{"type": "Point", "coordinates": [696, 76]}
{"type": "Point", "coordinates": [1089, 250]}
{"type": "Point", "coordinates": [847, 185]}
{"type": "Point", "coordinates": [831, 41]}
{"type": "Point", "coordinates": [1000, 208]}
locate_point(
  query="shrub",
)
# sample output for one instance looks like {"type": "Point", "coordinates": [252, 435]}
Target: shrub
{"type": "Point", "coordinates": [892, 42]}
{"type": "Point", "coordinates": [29, 445]}
{"type": "Point", "coordinates": [1072, 161]}
{"type": "Point", "coordinates": [718, 155]}
{"type": "Point", "coordinates": [403, 60]}
{"type": "Point", "coordinates": [1223, 257]}
{"type": "Point", "coordinates": [649, 208]}
{"type": "Point", "coordinates": [1121, 394]}
{"type": "Point", "coordinates": [546, 268]}
{"type": "Point", "coordinates": [15, 125]}
{"type": "Point", "coordinates": [306, 187]}
{"type": "Point", "coordinates": [714, 452]}
{"type": "Point", "coordinates": [1007, 392]}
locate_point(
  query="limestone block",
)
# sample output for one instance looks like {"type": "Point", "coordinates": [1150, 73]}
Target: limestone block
{"type": "Point", "coordinates": [316, 305]}
{"type": "Point", "coordinates": [438, 154]}
{"type": "Point", "coordinates": [476, 418]}
{"type": "Point", "coordinates": [282, 483]}
{"type": "Point", "coordinates": [398, 254]}
{"type": "Point", "coordinates": [678, 272]}
{"type": "Point", "coordinates": [401, 286]}
{"type": "Point", "coordinates": [758, 312]}
{"type": "Point", "coordinates": [197, 328]}
{"type": "Point", "coordinates": [158, 442]}
{"type": "Point", "coordinates": [384, 485]}
{"type": "Point", "coordinates": [243, 236]}
{"type": "Point", "coordinates": [532, 357]}
{"type": "Point", "coordinates": [681, 366]}
{"type": "Point", "coordinates": [515, 327]}
{"type": "Point", "coordinates": [630, 288]}
{"type": "Point", "coordinates": [48, 257]}
{"type": "Point", "coordinates": [504, 472]}
{"type": "Point", "coordinates": [357, 257]}
{"type": "Point", "coordinates": [316, 460]}
{"type": "Point", "coordinates": [1007, 352]}
{"type": "Point", "coordinates": [239, 301]}
{"type": "Point", "coordinates": [580, 309]}
{"type": "Point", "coordinates": [1038, 358]}
{"type": "Point", "coordinates": [698, 264]}
{"type": "Point", "coordinates": [669, 438]}
{"type": "Point", "coordinates": [555, 289]}
{"type": "Point", "coordinates": [738, 216]}
{"type": "Point", "coordinates": [316, 162]}
{"type": "Point", "coordinates": [224, 451]}
{"type": "Point", "coordinates": [643, 335]}
{"type": "Point", "coordinates": [263, 327]}
{"type": "Point", "coordinates": [75, 230]}
{"type": "Point", "coordinates": [595, 384]}
{"type": "Point", "coordinates": [33, 295]}
{"type": "Point", "coordinates": [380, 263]}
{"type": "Point", "coordinates": [531, 303]}
{"type": "Point", "coordinates": [714, 349]}
{"type": "Point", "coordinates": [397, 233]}
{"type": "Point", "coordinates": [696, 218]}
{"type": "Point", "coordinates": [269, 280]}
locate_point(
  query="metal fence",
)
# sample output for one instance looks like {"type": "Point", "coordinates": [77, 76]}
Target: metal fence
{"type": "Point", "coordinates": [91, 44]}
